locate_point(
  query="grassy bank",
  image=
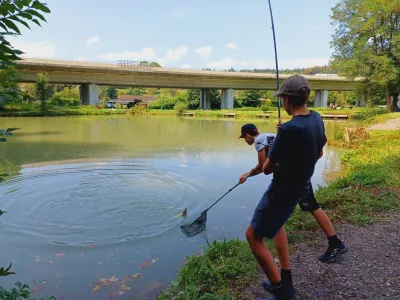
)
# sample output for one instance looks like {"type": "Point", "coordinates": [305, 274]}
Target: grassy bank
{"type": "Point", "coordinates": [367, 190]}
{"type": "Point", "coordinates": [33, 110]}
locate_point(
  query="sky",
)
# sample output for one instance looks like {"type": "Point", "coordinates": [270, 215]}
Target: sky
{"type": "Point", "coordinates": [196, 34]}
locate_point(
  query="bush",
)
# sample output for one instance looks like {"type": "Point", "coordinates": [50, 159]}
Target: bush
{"type": "Point", "coordinates": [58, 101]}
{"type": "Point", "coordinates": [138, 110]}
{"type": "Point", "coordinates": [180, 108]}
{"type": "Point", "coordinates": [367, 113]}
{"type": "Point", "coordinates": [163, 104]}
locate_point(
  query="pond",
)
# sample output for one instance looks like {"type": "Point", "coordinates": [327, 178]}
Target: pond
{"type": "Point", "coordinates": [93, 202]}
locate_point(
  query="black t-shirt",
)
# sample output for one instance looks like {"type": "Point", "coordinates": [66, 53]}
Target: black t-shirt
{"type": "Point", "coordinates": [296, 150]}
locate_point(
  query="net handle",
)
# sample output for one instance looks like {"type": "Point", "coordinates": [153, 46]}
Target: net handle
{"type": "Point", "coordinates": [230, 190]}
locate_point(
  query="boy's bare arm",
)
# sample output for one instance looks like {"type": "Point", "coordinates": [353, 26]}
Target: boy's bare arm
{"type": "Point", "coordinates": [268, 167]}
{"type": "Point", "coordinates": [261, 160]}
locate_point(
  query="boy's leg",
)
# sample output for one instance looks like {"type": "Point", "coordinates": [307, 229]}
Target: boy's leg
{"type": "Point", "coordinates": [263, 256]}
{"type": "Point", "coordinates": [336, 247]}
{"type": "Point", "coordinates": [268, 220]}
{"type": "Point", "coordinates": [324, 222]}
{"type": "Point", "coordinates": [282, 248]}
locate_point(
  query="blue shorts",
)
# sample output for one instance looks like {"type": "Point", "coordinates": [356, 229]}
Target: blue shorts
{"type": "Point", "coordinates": [271, 213]}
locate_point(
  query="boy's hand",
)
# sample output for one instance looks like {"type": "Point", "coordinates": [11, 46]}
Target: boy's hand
{"type": "Point", "coordinates": [279, 124]}
{"type": "Point", "coordinates": [243, 178]}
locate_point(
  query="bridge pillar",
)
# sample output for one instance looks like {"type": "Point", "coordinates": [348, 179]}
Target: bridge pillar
{"type": "Point", "coordinates": [227, 96]}
{"type": "Point", "coordinates": [321, 98]}
{"type": "Point", "coordinates": [205, 99]}
{"type": "Point", "coordinates": [89, 94]}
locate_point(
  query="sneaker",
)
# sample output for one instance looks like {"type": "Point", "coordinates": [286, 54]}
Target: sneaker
{"type": "Point", "coordinates": [333, 254]}
{"type": "Point", "coordinates": [290, 290]}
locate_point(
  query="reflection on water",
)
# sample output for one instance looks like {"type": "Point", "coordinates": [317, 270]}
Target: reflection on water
{"type": "Point", "coordinates": [93, 202]}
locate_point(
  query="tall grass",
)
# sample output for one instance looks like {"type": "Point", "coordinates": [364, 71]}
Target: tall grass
{"type": "Point", "coordinates": [220, 273]}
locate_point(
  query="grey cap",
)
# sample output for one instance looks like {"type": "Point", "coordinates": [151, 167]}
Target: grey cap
{"type": "Point", "coordinates": [292, 86]}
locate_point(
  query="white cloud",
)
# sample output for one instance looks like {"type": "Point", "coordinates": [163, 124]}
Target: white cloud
{"type": "Point", "coordinates": [223, 63]}
{"type": "Point", "coordinates": [179, 13]}
{"type": "Point", "coordinates": [177, 54]}
{"type": "Point", "coordinates": [93, 40]}
{"type": "Point", "coordinates": [232, 46]}
{"type": "Point", "coordinates": [145, 53]}
{"type": "Point", "coordinates": [35, 50]}
{"type": "Point", "coordinates": [186, 66]}
{"type": "Point", "coordinates": [205, 52]}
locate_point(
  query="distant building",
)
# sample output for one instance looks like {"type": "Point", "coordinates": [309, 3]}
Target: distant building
{"type": "Point", "coordinates": [124, 99]}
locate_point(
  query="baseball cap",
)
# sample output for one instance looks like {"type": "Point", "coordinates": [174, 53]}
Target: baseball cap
{"type": "Point", "coordinates": [292, 86]}
{"type": "Point", "coordinates": [249, 129]}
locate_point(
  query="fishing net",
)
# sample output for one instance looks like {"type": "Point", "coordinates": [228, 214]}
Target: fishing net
{"type": "Point", "coordinates": [196, 226]}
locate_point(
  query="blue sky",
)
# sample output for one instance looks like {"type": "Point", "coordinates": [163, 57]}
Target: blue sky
{"type": "Point", "coordinates": [184, 33]}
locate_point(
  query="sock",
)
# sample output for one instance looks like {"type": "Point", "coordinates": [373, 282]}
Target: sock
{"type": "Point", "coordinates": [286, 275]}
{"type": "Point", "coordinates": [277, 285]}
{"type": "Point", "coordinates": [334, 241]}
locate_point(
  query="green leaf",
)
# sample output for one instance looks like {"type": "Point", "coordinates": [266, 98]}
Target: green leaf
{"type": "Point", "coordinates": [36, 21]}
{"type": "Point", "coordinates": [3, 26]}
{"type": "Point", "coordinates": [19, 3]}
{"type": "Point", "coordinates": [11, 25]}
{"type": "Point", "coordinates": [26, 15]}
{"type": "Point", "coordinates": [40, 6]}
{"type": "Point", "coordinates": [35, 13]}
{"type": "Point", "coordinates": [15, 18]}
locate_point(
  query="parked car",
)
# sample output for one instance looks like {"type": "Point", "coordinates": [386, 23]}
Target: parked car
{"type": "Point", "coordinates": [110, 104]}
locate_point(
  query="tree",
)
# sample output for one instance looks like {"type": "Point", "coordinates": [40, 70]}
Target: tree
{"type": "Point", "coordinates": [193, 98]}
{"type": "Point", "coordinates": [366, 44]}
{"type": "Point", "coordinates": [250, 98]}
{"type": "Point", "coordinates": [111, 92]}
{"type": "Point", "coordinates": [155, 65]}
{"type": "Point", "coordinates": [9, 90]}
{"type": "Point", "coordinates": [136, 91]}
{"type": "Point", "coordinates": [13, 12]}
{"type": "Point", "coordinates": [43, 89]}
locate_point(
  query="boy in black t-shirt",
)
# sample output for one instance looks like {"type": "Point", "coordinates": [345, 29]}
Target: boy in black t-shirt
{"type": "Point", "coordinates": [292, 158]}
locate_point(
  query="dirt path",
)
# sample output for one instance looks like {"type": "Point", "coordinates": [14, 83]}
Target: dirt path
{"type": "Point", "coordinates": [391, 124]}
{"type": "Point", "coordinates": [370, 270]}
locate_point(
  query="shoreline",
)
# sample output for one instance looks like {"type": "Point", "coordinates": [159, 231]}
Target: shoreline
{"type": "Point", "coordinates": [244, 113]}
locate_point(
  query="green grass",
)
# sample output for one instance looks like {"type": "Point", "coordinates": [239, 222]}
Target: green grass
{"type": "Point", "coordinates": [33, 110]}
{"type": "Point", "coordinates": [382, 118]}
{"type": "Point", "coordinates": [369, 184]}
{"type": "Point", "coordinates": [221, 273]}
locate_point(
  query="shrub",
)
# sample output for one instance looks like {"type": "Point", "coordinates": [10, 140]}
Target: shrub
{"type": "Point", "coordinates": [138, 110]}
{"type": "Point", "coordinates": [368, 113]}
{"type": "Point", "coordinates": [58, 101]}
{"type": "Point", "coordinates": [180, 108]}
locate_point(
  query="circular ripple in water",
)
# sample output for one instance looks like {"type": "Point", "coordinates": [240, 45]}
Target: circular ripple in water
{"type": "Point", "coordinates": [82, 204]}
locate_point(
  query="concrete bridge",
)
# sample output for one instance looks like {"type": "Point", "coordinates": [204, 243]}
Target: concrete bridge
{"type": "Point", "coordinates": [90, 75]}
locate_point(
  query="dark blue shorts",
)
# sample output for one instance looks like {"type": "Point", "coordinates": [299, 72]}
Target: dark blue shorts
{"type": "Point", "coordinates": [271, 213]}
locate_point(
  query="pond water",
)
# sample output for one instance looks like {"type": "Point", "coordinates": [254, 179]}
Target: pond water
{"type": "Point", "coordinates": [93, 202]}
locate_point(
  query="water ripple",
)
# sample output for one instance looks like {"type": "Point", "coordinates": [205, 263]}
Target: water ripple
{"type": "Point", "coordinates": [94, 203]}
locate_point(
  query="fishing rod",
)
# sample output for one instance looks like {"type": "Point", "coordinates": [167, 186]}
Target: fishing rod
{"type": "Point", "coordinates": [276, 58]}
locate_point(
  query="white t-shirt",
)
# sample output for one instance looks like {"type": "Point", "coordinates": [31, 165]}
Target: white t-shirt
{"type": "Point", "coordinates": [264, 140]}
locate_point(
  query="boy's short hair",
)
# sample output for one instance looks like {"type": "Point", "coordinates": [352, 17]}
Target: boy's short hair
{"type": "Point", "coordinates": [300, 99]}
{"type": "Point", "coordinates": [296, 88]}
